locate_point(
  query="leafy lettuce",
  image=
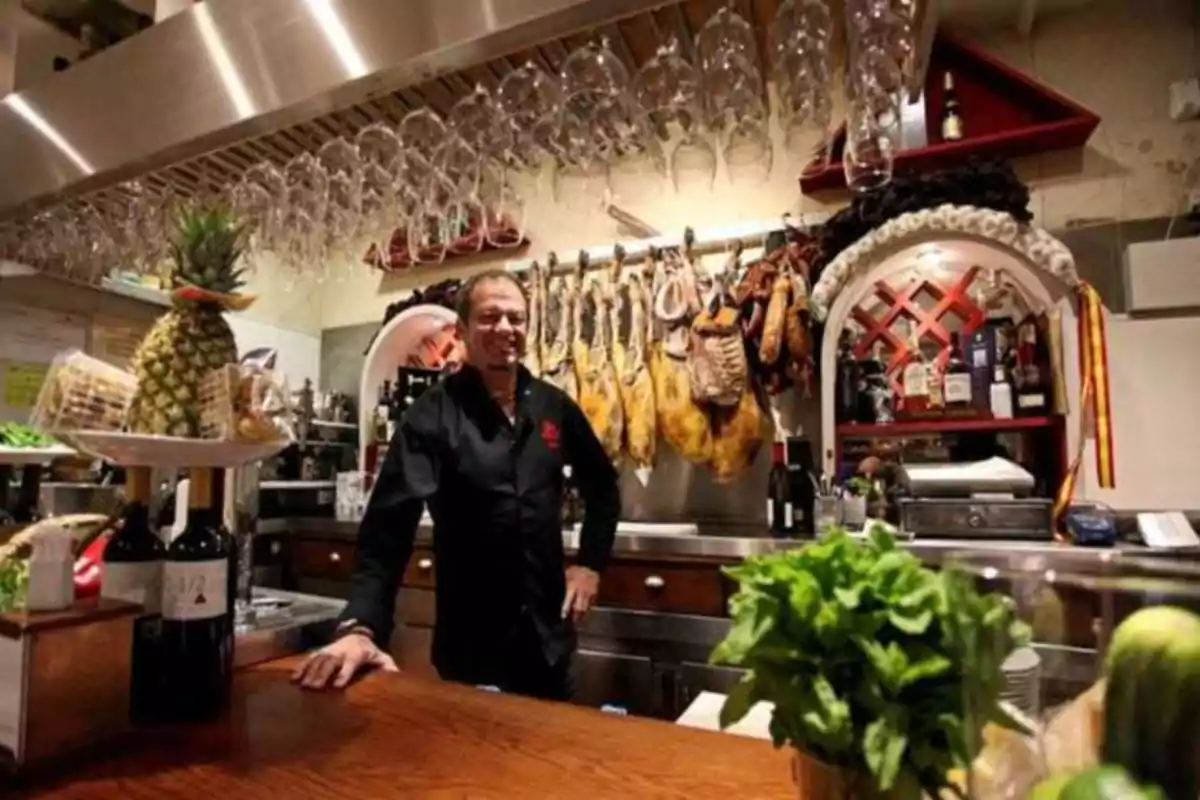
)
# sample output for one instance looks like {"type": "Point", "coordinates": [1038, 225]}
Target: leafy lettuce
{"type": "Point", "coordinates": [874, 662]}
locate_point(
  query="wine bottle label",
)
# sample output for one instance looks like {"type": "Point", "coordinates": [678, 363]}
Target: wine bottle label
{"type": "Point", "coordinates": [770, 514]}
{"type": "Point", "coordinates": [137, 582]}
{"type": "Point", "coordinates": [788, 516]}
{"type": "Point", "coordinates": [1031, 400]}
{"type": "Point", "coordinates": [916, 383]}
{"type": "Point", "coordinates": [952, 127]}
{"type": "Point", "coordinates": [958, 388]}
{"type": "Point", "coordinates": [195, 589]}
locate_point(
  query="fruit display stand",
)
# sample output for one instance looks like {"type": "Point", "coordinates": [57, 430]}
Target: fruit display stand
{"type": "Point", "coordinates": [172, 452]}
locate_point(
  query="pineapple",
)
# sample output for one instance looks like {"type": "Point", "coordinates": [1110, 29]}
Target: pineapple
{"type": "Point", "coordinates": [193, 338]}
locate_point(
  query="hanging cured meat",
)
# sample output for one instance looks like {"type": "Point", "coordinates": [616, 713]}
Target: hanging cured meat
{"type": "Point", "coordinates": [798, 334]}
{"type": "Point", "coordinates": [559, 296]}
{"type": "Point", "coordinates": [738, 427]}
{"type": "Point", "coordinates": [682, 423]}
{"type": "Point", "coordinates": [738, 433]}
{"type": "Point", "coordinates": [599, 396]}
{"type": "Point", "coordinates": [771, 345]}
{"type": "Point", "coordinates": [533, 331]}
{"type": "Point", "coordinates": [717, 362]}
{"type": "Point", "coordinates": [631, 333]}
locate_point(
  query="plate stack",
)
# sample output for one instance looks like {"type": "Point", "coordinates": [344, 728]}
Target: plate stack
{"type": "Point", "coordinates": [1023, 681]}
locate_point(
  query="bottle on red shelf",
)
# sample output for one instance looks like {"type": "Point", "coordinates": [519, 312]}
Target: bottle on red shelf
{"type": "Point", "coordinates": [915, 377]}
{"type": "Point", "coordinates": [956, 386]}
{"type": "Point", "coordinates": [1033, 391]}
{"type": "Point", "coordinates": [847, 379]}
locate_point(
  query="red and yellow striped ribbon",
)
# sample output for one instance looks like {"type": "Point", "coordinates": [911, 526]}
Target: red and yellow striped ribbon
{"type": "Point", "coordinates": [1095, 401]}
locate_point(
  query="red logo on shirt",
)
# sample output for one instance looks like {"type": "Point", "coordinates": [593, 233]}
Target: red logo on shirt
{"type": "Point", "coordinates": [550, 434]}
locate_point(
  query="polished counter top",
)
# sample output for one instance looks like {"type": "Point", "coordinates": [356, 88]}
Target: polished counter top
{"type": "Point", "coordinates": [737, 542]}
{"type": "Point", "coordinates": [401, 736]}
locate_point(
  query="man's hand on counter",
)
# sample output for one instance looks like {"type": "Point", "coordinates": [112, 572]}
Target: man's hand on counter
{"type": "Point", "coordinates": [582, 586]}
{"type": "Point", "coordinates": [334, 665]}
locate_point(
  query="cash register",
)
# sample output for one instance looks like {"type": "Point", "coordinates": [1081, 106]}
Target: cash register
{"type": "Point", "coordinates": [988, 499]}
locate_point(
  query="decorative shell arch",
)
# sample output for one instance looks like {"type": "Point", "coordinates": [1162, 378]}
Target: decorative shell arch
{"type": "Point", "coordinates": [998, 228]}
{"type": "Point", "coordinates": [1035, 261]}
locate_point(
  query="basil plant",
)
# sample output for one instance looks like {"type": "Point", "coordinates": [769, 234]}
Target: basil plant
{"type": "Point", "coordinates": [874, 662]}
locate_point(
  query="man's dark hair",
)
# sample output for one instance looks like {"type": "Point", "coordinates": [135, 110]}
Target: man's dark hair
{"type": "Point", "coordinates": [462, 301]}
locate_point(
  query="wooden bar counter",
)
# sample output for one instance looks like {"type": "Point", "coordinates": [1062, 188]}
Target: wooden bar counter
{"type": "Point", "coordinates": [397, 736]}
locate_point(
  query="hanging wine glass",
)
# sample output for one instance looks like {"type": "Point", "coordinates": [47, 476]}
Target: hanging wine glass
{"type": "Point", "coordinates": [869, 156]}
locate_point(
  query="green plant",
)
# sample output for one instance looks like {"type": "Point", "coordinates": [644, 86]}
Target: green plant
{"type": "Point", "coordinates": [14, 580]}
{"type": "Point", "coordinates": [874, 662]}
{"type": "Point", "coordinates": [863, 487]}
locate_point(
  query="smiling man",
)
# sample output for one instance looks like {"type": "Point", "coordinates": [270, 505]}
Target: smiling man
{"type": "Point", "coordinates": [485, 451]}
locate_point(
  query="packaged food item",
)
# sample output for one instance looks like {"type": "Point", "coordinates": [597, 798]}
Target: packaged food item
{"type": "Point", "coordinates": [82, 393]}
{"type": "Point", "coordinates": [244, 402]}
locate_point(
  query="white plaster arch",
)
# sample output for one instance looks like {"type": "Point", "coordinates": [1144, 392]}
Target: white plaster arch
{"type": "Point", "coordinates": [958, 250]}
{"type": "Point", "coordinates": [396, 340]}
{"type": "Point", "coordinates": [1001, 230]}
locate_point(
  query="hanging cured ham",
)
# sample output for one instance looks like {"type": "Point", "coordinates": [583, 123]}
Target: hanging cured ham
{"type": "Point", "coordinates": [739, 425]}
{"type": "Point", "coordinates": [738, 433]}
{"type": "Point", "coordinates": [682, 423]}
{"type": "Point", "coordinates": [599, 397]}
{"type": "Point", "coordinates": [631, 334]}
{"type": "Point", "coordinates": [558, 298]}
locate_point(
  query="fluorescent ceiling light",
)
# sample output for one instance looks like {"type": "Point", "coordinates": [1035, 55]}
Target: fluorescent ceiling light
{"type": "Point", "coordinates": [231, 77]}
{"type": "Point", "coordinates": [31, 115]}
{"type": "Point", "coordinates": [343, 44]}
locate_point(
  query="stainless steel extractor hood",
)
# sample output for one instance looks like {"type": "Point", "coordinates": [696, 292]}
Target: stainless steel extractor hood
{"type": "Point", "coordinates": [229, 70]}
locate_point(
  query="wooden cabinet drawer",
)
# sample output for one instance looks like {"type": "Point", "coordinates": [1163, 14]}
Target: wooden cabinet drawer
{"type": "Point", "coordinates": [320, 558]}
{"type": "Point", "coordinates": [420, 572]}
{"type": "Point", "coordinates": [661, 587]}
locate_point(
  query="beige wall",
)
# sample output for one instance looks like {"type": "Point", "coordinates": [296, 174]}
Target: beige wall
{"type": "Point", "coordinates": [1114, 56]}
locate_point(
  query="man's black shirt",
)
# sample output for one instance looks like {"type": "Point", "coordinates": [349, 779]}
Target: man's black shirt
{"type": "Point", "coordinates": [494, 490]}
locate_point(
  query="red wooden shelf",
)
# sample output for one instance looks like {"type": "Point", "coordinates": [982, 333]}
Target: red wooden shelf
{"type": "Point", "coordinates": [1006, 114]}
{"type": "Point", "coordinates": [854, 430]}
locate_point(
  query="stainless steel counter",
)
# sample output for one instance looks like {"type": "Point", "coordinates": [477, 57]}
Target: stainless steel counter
{"type": "Point", "coordinates": [733, 544]}
{"type": "Point", "coordinates": [285, 623]}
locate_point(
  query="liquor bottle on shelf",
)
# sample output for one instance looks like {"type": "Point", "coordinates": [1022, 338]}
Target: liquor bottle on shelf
{"type": "Point", "coordinates": [935, 401]}
{"type": "Point", "coordinates": [847, 379]}
{"type": "Point", "coordinates": [572, 511]}
{"type": "Point", "coordinates": [133, 571]}
{"type": "Point", "coordinates": [952, 121]}
{"type": "Point", "coordinates": [883, 401]}
{"type": "Point", "coordinates": [870, 374]}
{"type": "Point", "coordinates": [915, 378]}
{"type": "Point", "coordinates": [383, 410]}
{"type": "Point", "coordinates": [1000, 394]}
{"type": "Point", "coordinates": [956, 387]}
{"type": "Point", "coordinates": [780, 512]}
{"type": "Point", "coordinates": [1032, 359]}
{"type": "Point", "coordinates": [197, 662]}
{"type": "Point", "coordinates": [798, 455]}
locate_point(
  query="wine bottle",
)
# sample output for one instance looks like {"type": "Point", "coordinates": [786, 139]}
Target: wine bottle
{"type": "Point", "coordinates": [133, 572]}
{"type": "Point", "coordinates": [780, 512]}
{"type": "Point", "coordinates": [1000, 394]}
{"type": "Point", "coordinates": [197, 627]}
{"type": "Point", "coordinates": [1033, 360]}
{"type": "Point", "coordinates": [957, 383]}
{"type": "Point", "coordinates": [571, 505]}
{"type": "Point", "coordinates": [847, 379]}
{"type": "Point", "coordinates": [915, 378]}
{"type": "Point", "coordinates": [952, 121]}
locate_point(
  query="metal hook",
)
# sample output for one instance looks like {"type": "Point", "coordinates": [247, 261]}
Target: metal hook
{"type": "Point", "coordinates": [551, 262]}
{"type": "Point", "coordinates": [689, 238]}
{"type": "Point", "coordinates": [584, 262]}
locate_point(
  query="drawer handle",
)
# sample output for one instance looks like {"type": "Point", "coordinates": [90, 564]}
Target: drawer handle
{"type": "Point", "coordinates": [335, 557]}
{"type": "Point", "coordinates": [654, 582]}
{"type": "Point", "coordinates": [425, 564]}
